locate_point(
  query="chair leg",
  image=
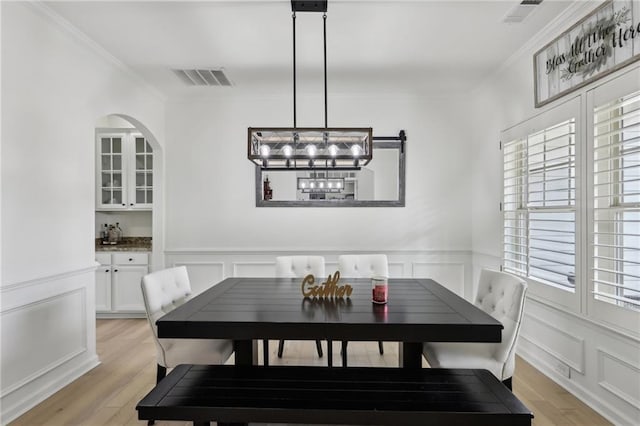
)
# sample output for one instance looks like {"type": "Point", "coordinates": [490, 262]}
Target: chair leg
{"type": "Point", "coordinates": [265, 352]}
{"type": "Point", "coordinates": [319, 348]}
{"type": "Point", "coordinates": [330, 353]}
{"type": "Point", "coordinates": [344, 353]}
{"type": "Point", "coordinates": [162, 371]}
{"type": "Point", "coordinates": [380, 347]}
{"type": "Point", "coordinates": [280, 348]}
{"type": "Point", "coordinates": [508, 383]}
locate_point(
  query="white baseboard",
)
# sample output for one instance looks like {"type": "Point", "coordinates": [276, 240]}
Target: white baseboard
{"type": "Point", "coordinates": [120, 315]}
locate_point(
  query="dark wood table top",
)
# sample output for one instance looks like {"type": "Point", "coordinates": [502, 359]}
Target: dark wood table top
{"type": "Point", "coordinates": [418, 310]}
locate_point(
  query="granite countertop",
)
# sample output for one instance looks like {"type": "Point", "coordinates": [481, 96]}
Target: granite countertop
{"type": "Point", "coordinates": [127, 244]}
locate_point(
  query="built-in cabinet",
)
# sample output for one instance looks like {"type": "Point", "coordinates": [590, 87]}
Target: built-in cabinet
{"type": "Point", "coordinates": [118, 278]}
{"type": "Point", "coordinates": [124, 165]}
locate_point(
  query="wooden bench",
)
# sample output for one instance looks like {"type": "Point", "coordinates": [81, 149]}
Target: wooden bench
{"type": "Point", "coordinates": [322, 395]}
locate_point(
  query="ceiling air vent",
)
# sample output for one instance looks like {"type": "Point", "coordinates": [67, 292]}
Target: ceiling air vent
{"type": "Point", "coordinates": [203, 77]}
{"type": "Point", "coordinates": [520, 11]}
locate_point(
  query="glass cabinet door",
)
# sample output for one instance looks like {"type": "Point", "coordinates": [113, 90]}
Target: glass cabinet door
{"type": "Point", "coordinates": [124, 172]}
{"type": "Point", "coordinates": [111, 175]}
{"type": "Point", "coordinates": [142, 191]}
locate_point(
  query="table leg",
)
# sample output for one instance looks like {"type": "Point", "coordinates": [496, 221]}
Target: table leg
{"type": "Point", "coordinates": [410, 355]}
{"type": "Point", "coordinates": [343, 352]}
{"type": "Point", "coordinates": [265, 352]}
{"type": "Point", "coordinates": [246, 352]}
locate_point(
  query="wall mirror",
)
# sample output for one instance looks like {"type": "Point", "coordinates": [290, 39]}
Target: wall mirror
{"type": "Point", "coordinates": [381, 183]}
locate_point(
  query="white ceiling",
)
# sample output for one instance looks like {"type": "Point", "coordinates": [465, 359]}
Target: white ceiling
{"type": "Point", "coordinates": [437, 47]}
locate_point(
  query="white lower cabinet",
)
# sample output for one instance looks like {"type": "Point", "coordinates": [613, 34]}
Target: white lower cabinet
{"type": "Point", "coordinates": [118, 279]}
{"type": "Point", "coordinates": [103, 288]}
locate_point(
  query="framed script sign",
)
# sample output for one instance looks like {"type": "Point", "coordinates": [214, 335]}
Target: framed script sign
{"type": "Point", "coordinates": [602, 42]}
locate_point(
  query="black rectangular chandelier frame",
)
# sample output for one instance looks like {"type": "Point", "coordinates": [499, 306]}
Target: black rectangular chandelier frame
{"type": "Point", "coordinates": [310, 148]}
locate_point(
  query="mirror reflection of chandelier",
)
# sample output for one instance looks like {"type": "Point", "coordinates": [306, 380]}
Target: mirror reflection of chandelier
{"type": "Point", "coordinates": [277, 148]}
{"type": "Point", "coordinates": [320, 185]}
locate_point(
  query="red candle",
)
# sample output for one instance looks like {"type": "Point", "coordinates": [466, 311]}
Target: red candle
{"type": "Point", "coordinates": [379, 289]}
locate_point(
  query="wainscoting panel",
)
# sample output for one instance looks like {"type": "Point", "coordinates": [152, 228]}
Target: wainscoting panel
{"type": "Point", "coordinates": [451, 268]}
{"type": "Point", "coordinates": [396, 269]}
{"type": "Point", "coordinates": [56, 330]}
{"type": "Point", "coordinates": [254, 269]}
{"type": "Point", "coordinates": [48, 337]}
{"type": "Point", "coordinates": [450, 275]}
{"type": "Point", "coordinates": [203, 275]}
{"type": "Point", "coordinates": [619, 376]}
{"type": "Point", "coordinates": [596, 363]}
{"type": "Point", "coordinates": [555, 341]}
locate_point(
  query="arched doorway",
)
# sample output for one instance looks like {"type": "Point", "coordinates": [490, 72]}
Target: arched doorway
{"type": "Point", "coordinates": [128, 213]}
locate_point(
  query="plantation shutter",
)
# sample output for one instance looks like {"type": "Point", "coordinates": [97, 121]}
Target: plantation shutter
{"type": "Point", "coordinates": [514, 207]}
{"type": "Point", "coordinates": [539, 205]}
{"type": "Point", "coordinates": [616, 177]}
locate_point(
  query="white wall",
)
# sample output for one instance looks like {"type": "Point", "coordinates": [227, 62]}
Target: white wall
{"type": "Point", "coordinates": [113, 122]}
{"type": "Point", "coordinates": [55, 86]}
{"type": "Point", "coordinates": [210, 182]}
{"type": "Point", "coordinates": [603, 364]}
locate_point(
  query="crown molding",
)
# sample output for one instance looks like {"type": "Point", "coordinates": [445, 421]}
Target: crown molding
{"type": "Point", "coordinates": [93, 46]}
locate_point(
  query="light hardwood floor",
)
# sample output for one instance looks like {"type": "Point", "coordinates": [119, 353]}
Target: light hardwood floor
{"type": "Point", "coordinates": [108, 394]}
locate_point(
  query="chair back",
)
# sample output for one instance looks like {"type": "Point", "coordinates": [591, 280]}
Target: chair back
{"type": "Point", "coordinates": [502, 296]}
{"type": "Point", "coordinates": [300, 266]}
{"type": "Point", "coordinates": [363, 265]}
{"type": "Point", "coordinates": [163, 291]}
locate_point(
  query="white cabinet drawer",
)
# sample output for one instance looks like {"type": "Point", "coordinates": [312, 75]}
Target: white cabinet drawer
{"type": "Point", "coordinates": [103, 258]}
{"type": "Point", "coordinates": [129, 258]}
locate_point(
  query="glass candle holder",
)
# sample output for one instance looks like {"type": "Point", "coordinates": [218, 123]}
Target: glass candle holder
{"type": "Point", "coordinates": [379, 289]}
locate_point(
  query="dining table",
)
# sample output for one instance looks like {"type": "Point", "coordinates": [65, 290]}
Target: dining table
{"type": "Point", "coordinates": [247, 310]}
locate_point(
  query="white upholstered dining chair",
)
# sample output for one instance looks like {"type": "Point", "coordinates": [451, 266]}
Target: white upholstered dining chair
{"type": "Point", "coordinates": [502, 296]}
{"type": "Point", "coordinates": [298, 267]}
{"type": "Point", "coordinates": [163, 291]}
{"type": "Point", "coordinates": [363, 266]}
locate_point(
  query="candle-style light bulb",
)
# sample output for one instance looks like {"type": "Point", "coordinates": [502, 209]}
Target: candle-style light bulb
{"type": "Point", "coordinates": [311, 150]}
{"type": "Point", "coordinates": [264, 151]}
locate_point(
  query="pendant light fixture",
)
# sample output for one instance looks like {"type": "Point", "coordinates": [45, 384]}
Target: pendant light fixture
{"type": "Point", "coordinates": [310, 148]}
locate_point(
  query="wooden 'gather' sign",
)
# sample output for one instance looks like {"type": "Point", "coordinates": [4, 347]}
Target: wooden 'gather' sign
{"type": "Point", "coordinates": [329, 288]}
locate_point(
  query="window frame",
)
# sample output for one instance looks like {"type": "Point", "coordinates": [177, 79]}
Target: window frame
{"type": "Point", "coordinates": [556, 295]}
{"type": "Point", "coordinates": [612, 315]}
